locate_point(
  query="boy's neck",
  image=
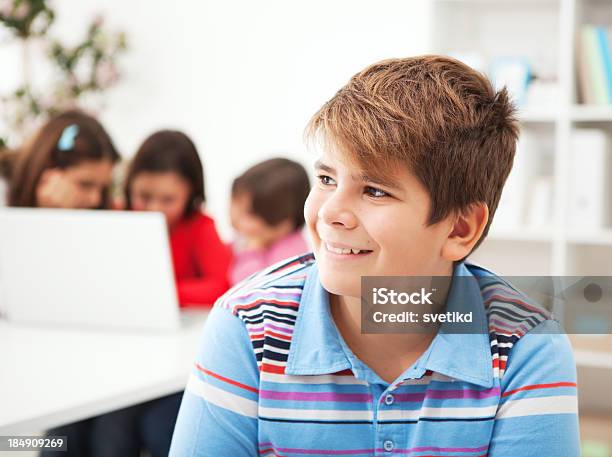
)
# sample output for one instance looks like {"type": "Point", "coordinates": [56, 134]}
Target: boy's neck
{"type": "Point", "coordinates": [346, 312]}
{"type": "Point", "coordinates": [388, 354]}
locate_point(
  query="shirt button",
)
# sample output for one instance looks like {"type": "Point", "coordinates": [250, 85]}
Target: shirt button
{"type": "Point", "coordinates": [389, 399]}
{"type": "Point", "coordinates": [388, 445]}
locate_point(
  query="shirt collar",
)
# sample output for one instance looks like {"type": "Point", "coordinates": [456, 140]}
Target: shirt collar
{"type": "Point", "coordinates": [318, 348]}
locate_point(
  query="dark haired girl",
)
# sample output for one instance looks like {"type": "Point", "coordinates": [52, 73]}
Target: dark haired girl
{"type": "Point", "coordinates": [166, 176]}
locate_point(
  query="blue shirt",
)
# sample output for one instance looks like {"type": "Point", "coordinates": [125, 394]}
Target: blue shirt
{"type": "Point", "coordinates": [274, 377]}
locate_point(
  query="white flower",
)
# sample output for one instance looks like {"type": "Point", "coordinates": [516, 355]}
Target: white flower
{"type": "Point", "coordinates": [83, 68]}
{"type": "Point", "coordinates": [98, 20]}
{"type": "Point", "coordinates": [106, 74]}
{"type": "Point", "coordinates": [39, 24]}
{"type": "Point", "coordinates": [6, 7]}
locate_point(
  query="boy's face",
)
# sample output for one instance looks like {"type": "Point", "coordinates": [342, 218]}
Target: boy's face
{"type": "Point", "coordinates": [384, 222]}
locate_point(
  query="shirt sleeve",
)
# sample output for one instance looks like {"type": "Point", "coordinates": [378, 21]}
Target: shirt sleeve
{"type": "Point", "coordinates": [212, 257]}
{"type": "Point", "coordinates": [538, 412]}
{"type": "Point", "coordinates": [218, 414]}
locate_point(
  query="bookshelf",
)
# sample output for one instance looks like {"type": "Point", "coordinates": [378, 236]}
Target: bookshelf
{"type": "Point", "coordinates": [543, 33]}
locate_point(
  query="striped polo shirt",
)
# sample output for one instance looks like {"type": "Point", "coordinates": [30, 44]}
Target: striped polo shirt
{"type": "Point", "coordinates": [274, 377]}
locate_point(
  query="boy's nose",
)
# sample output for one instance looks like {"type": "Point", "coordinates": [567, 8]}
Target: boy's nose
{"type": "Point", "coordinates": [336, 212]}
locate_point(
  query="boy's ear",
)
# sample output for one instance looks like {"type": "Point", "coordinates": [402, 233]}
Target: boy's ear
{"type": "Point", "coordinates": [466, 231]}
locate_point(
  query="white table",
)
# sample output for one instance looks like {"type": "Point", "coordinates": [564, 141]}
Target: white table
{"type": "Point", "coordinates": [54, 376]}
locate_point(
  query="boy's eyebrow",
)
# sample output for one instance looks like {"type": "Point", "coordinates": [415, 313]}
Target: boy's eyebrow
{"type": "Point", "coordinates": [362, 176]}
{"type": "Point", "coordinates": [322, 166]}
{"type": "Point", "coordinates": [380, 181]}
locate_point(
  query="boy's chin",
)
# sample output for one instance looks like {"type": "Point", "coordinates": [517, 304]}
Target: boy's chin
{"type": "Point", "coordinates": [343, 287]}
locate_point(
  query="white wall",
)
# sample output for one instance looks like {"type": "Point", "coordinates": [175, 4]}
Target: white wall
{"type": "Point", "coordinates": [241, 77]}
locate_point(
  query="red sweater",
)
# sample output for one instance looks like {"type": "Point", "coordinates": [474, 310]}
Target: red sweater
{"type": "Point", "coordinates": [201, 261]}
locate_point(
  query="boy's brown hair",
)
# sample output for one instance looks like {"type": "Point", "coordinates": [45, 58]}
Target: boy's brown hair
{"type": "Point", "coordinates": [434, 114]}
{"type": "Point", "coordinates": [277, 188]}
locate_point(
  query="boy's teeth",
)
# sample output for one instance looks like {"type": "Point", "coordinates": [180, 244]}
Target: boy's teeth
{"type": "Point", "coordinates": [343, 251]}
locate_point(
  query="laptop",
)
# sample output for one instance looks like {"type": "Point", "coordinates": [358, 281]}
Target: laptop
{"type": "Point", "coordinates": [87, 268]}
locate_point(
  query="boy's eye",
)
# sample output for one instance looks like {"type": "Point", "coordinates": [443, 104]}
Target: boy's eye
{"type": "Point", "coordinates": [376, 193]}
{"type": "Point", "coordinates": [325, 180]}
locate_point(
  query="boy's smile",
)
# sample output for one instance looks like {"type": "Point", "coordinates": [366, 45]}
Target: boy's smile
{"type": "Point", "coordinates": [363, 225]}
{"type": "Point", "coordinates": [344, 250]}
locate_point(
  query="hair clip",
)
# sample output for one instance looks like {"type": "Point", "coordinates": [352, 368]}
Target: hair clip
{"type": "Point", "coordinates": [66, 141]}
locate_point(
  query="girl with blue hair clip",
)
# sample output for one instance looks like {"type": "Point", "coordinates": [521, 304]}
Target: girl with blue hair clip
{"type": "Point", "coordinates": [67, 164]}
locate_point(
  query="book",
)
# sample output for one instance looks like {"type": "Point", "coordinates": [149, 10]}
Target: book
{"type": "Point", "coordinates": [511, 210]}
{"type": "Point", "coordinates": [540, 202]}
{"type": "Point", "coordinates": [589, 196]}
{"type": "Point", "coordinates": [586, 94]}
{"type": "Point", "coordinates": [596, 75]}
{"type": "Point", "coordinates": [604, 48]}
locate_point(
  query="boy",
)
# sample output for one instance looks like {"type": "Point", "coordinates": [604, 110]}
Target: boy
{"type": "Point", "coordinates": [416, 152]}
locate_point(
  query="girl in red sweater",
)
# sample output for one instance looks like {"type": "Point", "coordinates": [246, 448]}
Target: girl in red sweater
{"type": "Point", "coordinates": [166, 176]}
